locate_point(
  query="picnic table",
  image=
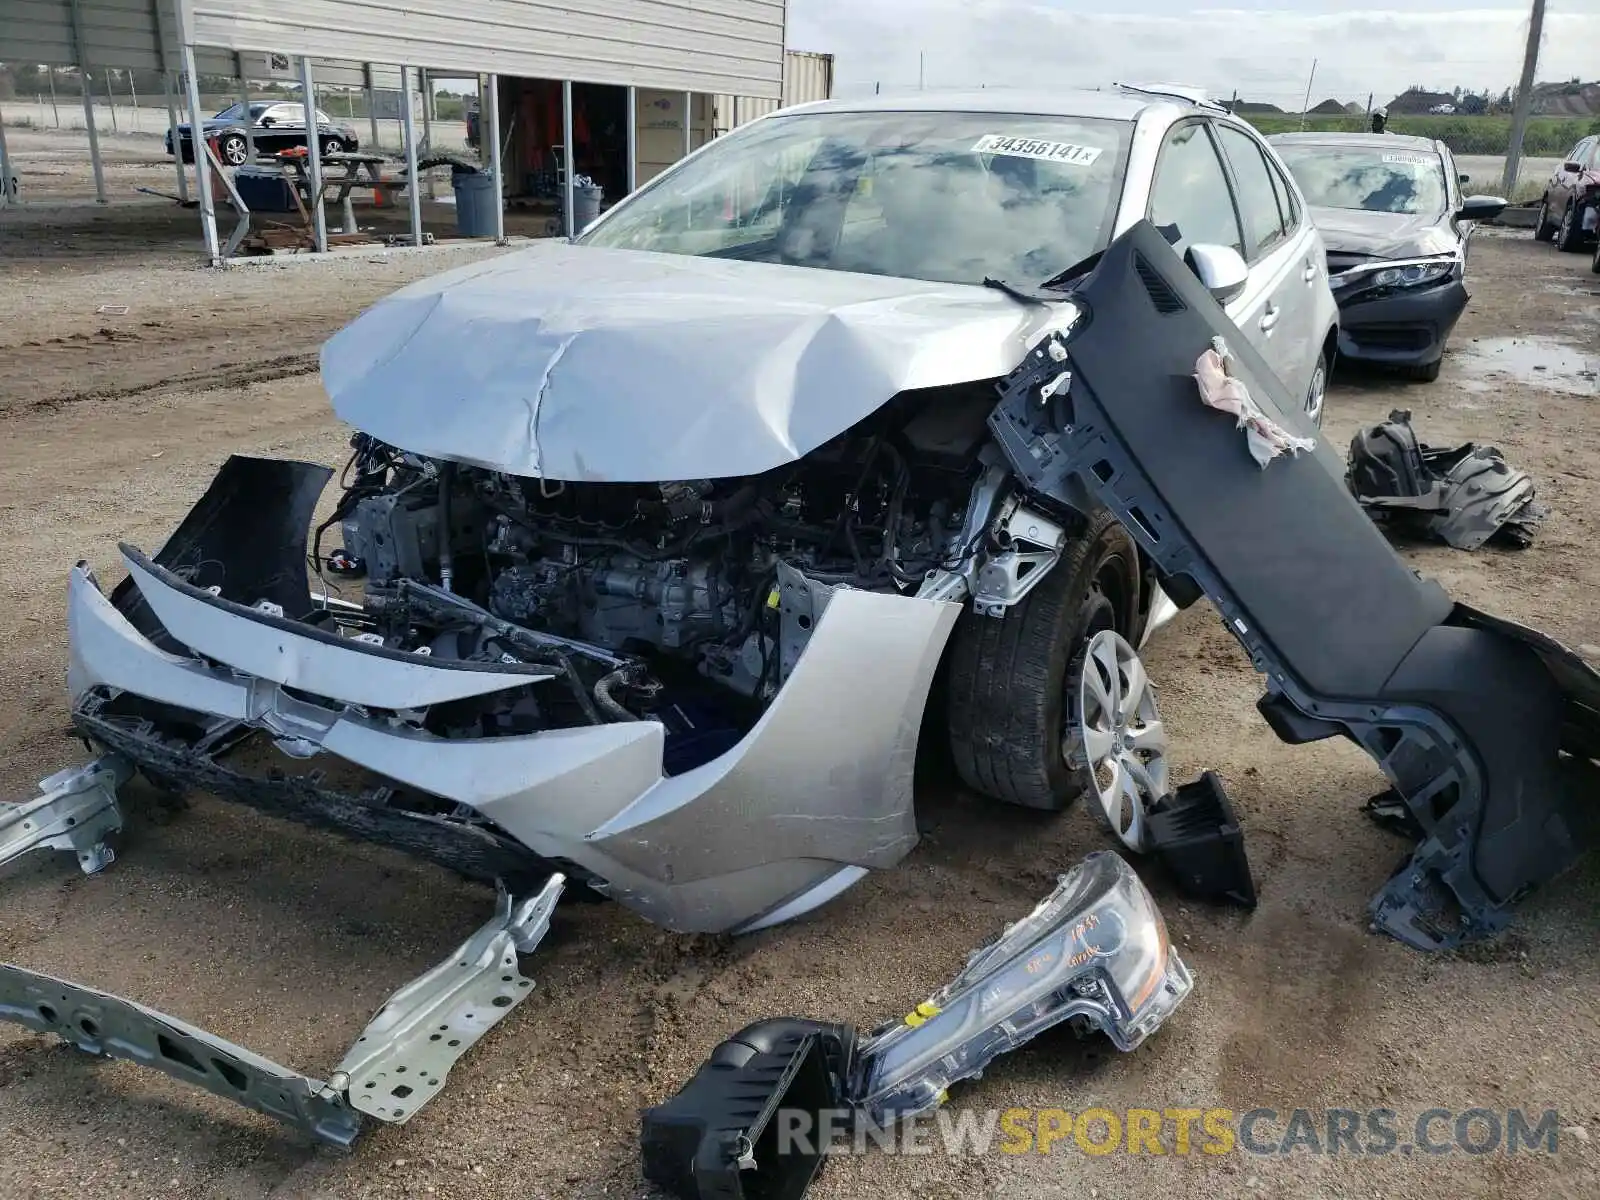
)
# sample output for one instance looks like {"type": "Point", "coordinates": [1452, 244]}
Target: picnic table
{"type": "Point", "coordinates": [342, 173]}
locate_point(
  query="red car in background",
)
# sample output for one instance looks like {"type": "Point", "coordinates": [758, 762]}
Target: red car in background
{"type": "Point", "coordinates": [1571, 208]}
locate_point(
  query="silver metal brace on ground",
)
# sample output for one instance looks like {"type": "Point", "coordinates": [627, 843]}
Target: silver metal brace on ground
{"type": "Point", "coordinates": [77, 811]}
{"type": "Point", "coordinates": [397, 1065]}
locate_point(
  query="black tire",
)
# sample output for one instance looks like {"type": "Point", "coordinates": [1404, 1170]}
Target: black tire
{"type": "Point", "coordinates": [1008, 675]}
{"type": "Point", "coordinates": [332, 145]}
{"type": "Point", "coordinates": [1595, 264]}
{"type": "Point", "coordinates": [234, 150]}
{"type": "Point", "coordinates": [1426, 374]}
{"type": "Point", "coordinates": [1543, 230]}
{"type": "Point", "coordinates": [1569, 236]}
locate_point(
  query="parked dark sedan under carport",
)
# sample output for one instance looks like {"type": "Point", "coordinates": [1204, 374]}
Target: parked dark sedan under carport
{"type": "Point", "coordinates": [1396, 226]}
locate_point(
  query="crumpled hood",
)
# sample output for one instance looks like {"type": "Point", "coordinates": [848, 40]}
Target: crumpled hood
{"type": "Point", "coordinates": [1381, 234]}
{"type": "Point", "coordinates": [577, 363]}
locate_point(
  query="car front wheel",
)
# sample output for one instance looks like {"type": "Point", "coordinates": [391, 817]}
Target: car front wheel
{"type": "Point", "coordinates": [332, 145]}
{"type": "Point", "coordinates": [1595, 264]}
{"type": "Point", "coordinates": [1571, 230]}
{"type": "Point", "coordinates": [235, 151]}
{"type": "Point", "coordinates": [1543, 230]}
{"type": "Point", "coordinates": [1009, 680]}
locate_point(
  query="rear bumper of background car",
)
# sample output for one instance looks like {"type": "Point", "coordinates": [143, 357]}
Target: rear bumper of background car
{"type": "Point", "coordinates": [814, 795]}
{"type": "Point", "coordinates": [1404, 329]}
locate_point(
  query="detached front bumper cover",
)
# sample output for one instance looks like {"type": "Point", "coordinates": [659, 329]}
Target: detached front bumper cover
{"type": "Point", "coordinates": [398, 1064]}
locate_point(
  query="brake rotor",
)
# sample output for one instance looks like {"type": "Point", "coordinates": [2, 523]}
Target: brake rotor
{"type": "Point", "coordinates": [1119, 736]}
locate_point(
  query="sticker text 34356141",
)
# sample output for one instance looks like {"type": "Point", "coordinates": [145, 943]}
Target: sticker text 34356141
{"type": "Point", "coordinates": [1019, 147]}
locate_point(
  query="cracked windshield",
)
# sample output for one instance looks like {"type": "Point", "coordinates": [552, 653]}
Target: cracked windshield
{"type": "Point", "coordinates": [952, 198]}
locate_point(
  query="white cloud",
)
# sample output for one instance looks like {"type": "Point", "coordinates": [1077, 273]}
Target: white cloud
{"type": "Point", "coordinates": [1264, 51]}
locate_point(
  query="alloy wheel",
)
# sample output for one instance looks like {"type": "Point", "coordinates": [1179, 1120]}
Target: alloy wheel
{"type": "Point", "coordinates": [1121, 737]}
{"type": "Point", "coordinates": [1317, 394]}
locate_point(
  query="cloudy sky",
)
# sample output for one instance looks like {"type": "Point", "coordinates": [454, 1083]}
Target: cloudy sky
{"type": "Point", "coordinates": [1265, 49]}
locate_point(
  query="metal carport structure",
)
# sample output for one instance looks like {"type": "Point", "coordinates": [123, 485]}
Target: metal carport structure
{"type": "Point", "coordinates": [688, 46]}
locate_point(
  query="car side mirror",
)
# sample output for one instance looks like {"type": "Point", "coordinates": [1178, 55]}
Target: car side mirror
{"type": "Point", "coordinates": [267, 122]}
{"type": "Point", "coordinates": [1481, 208]}
{"type": "Point", "coordinates": [1220, 268]}
{"type": "Point", "coordinates": [1465, 179]}
{"type": "Point", "coordinates": [1572, 168]}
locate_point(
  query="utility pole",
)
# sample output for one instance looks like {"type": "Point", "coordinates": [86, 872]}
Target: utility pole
{"type": "Point", "coordinates": [1524, 104]}
{"type": "Point", "coordinates": [1310, 79]}
{"type": "Point", "coordinates": [921, 68]}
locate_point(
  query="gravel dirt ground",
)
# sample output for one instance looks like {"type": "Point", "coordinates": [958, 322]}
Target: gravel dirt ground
{"type": "Point", "coordinates": [286, 940]}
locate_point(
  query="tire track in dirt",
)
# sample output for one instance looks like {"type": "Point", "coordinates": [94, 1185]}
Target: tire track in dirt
{"type": "Point", "coordinates": [222, 376]}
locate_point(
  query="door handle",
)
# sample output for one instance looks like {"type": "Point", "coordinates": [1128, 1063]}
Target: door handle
{"type": "Point", "coordinates": [1310, 273]}
{"type": "Point", "coordinates": [1270, 318]}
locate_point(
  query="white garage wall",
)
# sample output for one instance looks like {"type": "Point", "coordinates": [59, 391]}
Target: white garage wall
{"type": "Point", "coordinates": [693, 45]}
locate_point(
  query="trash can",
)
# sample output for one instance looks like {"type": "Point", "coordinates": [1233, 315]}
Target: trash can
{"type": "Point", "coordinates": [585, 206]}
{"type": "Point", "coordinates": [475, 203]}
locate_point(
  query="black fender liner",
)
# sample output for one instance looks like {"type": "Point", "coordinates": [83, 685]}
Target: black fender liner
{"type": "Point", "coordinates": [1488, 731]}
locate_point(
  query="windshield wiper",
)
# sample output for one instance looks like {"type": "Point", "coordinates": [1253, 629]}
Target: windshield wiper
{"type": "Point", "coordinates": [1047, 292]}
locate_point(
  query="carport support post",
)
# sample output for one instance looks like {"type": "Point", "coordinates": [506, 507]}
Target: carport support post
{"type": "Point", "coordinates": [569, 217]}
{"type": "Point", "coordinates": [202, 175]}
{"type": "Point", "coordinates": [164, 35]}
{"type": "Point", "coordinates": [319, 219]}
{"type": "Point", "coordinates": [86, 76]}
{"type": "Point", "coordinates": [409, 125]}
{"type": "Point", "coordinates": [427, 120]}
{"type": "Point", "coordinates": [633, 138]}
{"type": "Point", "coordinates": [372, 106]}
{"type": "Point", "coordinates": [688, 123]}
{"type": "Point", "coordinates": [177, 147]}
{"type": "Point", "coordinates": [249, 125]}
{"type": "Point", "coordinates": [493, 128]}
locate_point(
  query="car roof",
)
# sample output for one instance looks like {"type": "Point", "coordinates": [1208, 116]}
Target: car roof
{"type": "Point", "coordinates": [1376, 141]}
{"type": "Point", "coordinates": [1113, 105]}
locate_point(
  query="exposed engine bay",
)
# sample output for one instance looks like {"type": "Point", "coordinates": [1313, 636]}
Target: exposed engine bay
{"type": "Point", "coordinates": [641, 586]}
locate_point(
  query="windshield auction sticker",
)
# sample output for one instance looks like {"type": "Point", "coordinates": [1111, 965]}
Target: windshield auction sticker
{"type": "Point", "coordinates": [1016, 147]}
{"type": "Point", "coordinates": [1411, 160]}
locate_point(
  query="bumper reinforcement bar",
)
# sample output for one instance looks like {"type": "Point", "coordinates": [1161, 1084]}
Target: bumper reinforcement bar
{"type": "Point", "coordinates": [397, 1065]}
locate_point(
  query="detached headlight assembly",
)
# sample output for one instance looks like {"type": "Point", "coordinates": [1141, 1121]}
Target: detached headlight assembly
{"type": "Point", "coordinates": [1094, 952]}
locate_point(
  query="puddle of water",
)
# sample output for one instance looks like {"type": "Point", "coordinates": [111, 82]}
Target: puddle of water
{"type": "Point", "coordinates": [1538, 361]}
